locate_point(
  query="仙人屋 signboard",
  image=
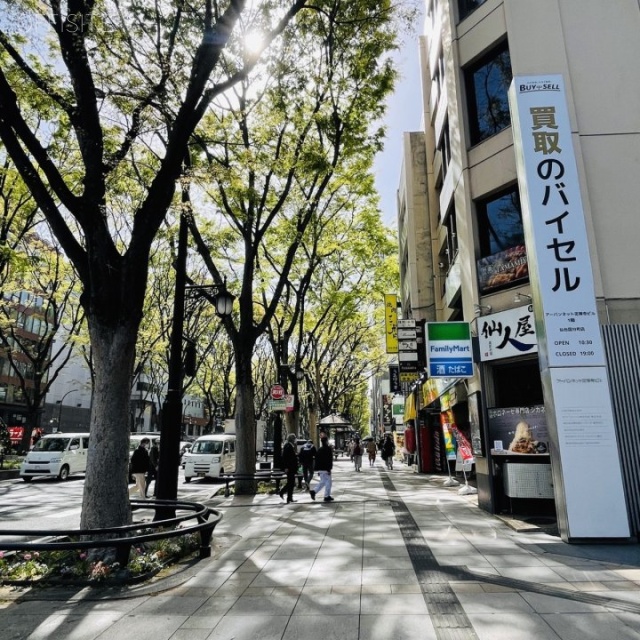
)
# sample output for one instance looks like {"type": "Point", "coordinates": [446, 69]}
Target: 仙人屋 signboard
{"type": "Point", "coordinates": [507, 334]}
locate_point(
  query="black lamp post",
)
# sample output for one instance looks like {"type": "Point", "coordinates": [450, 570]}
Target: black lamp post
{"type": "Point", "coordinates": [172, 407]}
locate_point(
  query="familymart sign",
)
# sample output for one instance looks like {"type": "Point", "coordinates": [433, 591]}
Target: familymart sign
{"type": "Point", "coordinates": [449, 353]}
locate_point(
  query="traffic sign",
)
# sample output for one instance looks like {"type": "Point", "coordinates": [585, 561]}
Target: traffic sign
{"type": "Point", "coordinates": [277, 392]}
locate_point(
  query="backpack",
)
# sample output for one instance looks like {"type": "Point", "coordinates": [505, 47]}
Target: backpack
{"type": "Point", "coordinates": [357, 451]}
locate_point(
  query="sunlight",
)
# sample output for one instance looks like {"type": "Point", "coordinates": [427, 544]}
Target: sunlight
{"type": "Point", "coordinates": [254, 42]}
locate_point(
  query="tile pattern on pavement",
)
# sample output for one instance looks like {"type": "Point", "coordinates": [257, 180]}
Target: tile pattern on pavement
{"type": "Point", "coordinates": [397, 555]}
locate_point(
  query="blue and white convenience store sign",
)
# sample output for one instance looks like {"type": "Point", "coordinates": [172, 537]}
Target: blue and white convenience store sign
{"type": "Point", "coordinates": [449, 352]}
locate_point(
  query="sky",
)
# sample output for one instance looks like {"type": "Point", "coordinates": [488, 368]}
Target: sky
{"type": "Point", "coordinates": [404, 113]}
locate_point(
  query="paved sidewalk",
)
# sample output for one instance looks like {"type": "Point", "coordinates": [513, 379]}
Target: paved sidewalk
{"type": "Point", "coordinates": [396, 556]}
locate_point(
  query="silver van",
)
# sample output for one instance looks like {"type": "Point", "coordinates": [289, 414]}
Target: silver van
{"type": "Point", "coordinates": [210, 456]}
{"type": "Point", "coordinates": [57, 455]}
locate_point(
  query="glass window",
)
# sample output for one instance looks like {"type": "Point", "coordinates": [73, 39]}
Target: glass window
{"type": "Point", "coordinates": [500, 223]}
{"type": "Point", "coordinates": [487, 82]}
{"type": "Point", "coordinates": [444, 147]}
{"type": "Point", "coordinates": [51, 444]}
{"type": "Point", "coordinates": [465, 7]}
{"type": "Point", "coordinates": [503, 256]}
{"type": "Point", "coordinates": [207, 446]}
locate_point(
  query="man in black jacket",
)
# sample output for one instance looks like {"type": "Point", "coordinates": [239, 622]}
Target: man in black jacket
{"type": "Point", "coordinates": [324, 464]}
{"type": "Point", "coordinates": [307, 458]}
{"type": "Point", "coordinates": [290, 466]}
{"type": "Point", "coordinates": [139, 467]}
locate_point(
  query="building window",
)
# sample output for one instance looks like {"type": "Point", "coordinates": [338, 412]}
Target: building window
{"type": "Point", "coordinates": [465, 7]}
{"type": "Point", "coordinates": [503, 256]}
{"type": "Point", "coordinates": [444, 147]}
{"type": "Point", "coordinates": [500, 222]}
{"type": "Point", "coordinates": [487, 82]}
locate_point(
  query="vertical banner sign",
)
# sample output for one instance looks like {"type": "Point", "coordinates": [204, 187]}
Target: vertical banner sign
{"type": "Point", "coordinates": [394, 379]}
{"type": "Point", "coordinates": [449, 446]}
{"type": "Point", "coordinates": [588, 480]}
{"type": "Point", "coordinates": [391, 322]}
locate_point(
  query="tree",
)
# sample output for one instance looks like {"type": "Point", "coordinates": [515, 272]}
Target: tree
{"type": "Point", "coordinates": [40, 321]}
{"type": "Point", "coordinates": [297, 137]}
{"type": "Point", "coordinates": [118, 81]}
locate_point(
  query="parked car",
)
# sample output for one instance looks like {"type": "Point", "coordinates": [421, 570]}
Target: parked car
{"type": "Point", "coordinates": [210, 456]}
{"type": "Point", "coordinates": [57, 455]}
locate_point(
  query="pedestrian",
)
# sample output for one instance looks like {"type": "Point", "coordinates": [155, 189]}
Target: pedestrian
{"type": "Point", "coordinates": [324, 464]}
{"type": "Point", "coordinates": [371, 450]}
{"type": "Point", "coordinates": [290, 466]}
{"type": "Point", "coordinates": [356, 452]}
{"type": "Point", "coordinates": [140, 467]}
{"type": "Point", "coordinates": [307, 458]}
{"type": "Point", "coordinates": [388, 451]}
{"type": "Point", "coordinates": [152, 474]}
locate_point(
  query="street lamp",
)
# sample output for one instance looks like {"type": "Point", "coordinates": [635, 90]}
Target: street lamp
{"type": "Point", "coordinates": [172, 406]}
{"type": "Point", "coordinates": [59, 402]}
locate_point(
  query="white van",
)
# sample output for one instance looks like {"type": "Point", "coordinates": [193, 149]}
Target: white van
{"type": "Point", "coordinates": [210, 456]}
{"type": "Point", "coordinates": [57, 455]}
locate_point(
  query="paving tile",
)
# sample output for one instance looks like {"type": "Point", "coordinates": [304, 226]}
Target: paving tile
{"type": "Point", "coordinates": [191, 634]}
{"type": "Point", "coordinates": [321, 627]}
{"type": "Point", "coordinates": [588, 626]}
{"type": "Point", "coordinates": [394, 604]}
{"type": "Point", "coordinates": [327, 604]}
{"type": "Point", "coordinates": [385, 626]}
{"type": "Point", "coordinates": [532, 574]}
{"type": "Point", "coordinates": [405, 588]}
{"type": "Point", "coordinates": [216, 605]}
{"type": "Point", "coordinates": [150, 626]}
{"type": "Point", "coordinates": [389, 576]}
{"type": "Point", "coordinates": [514, 626]}
{"type": "Point", "coordinates": [201, 622]}
{"type": "Point", "coordinates": [573, 574]}
{"type": "Point", "coordinates": [334, 577]}
{"type": "Point", "coordinates": [514, 560]}
{"type": "Point", "coordinates": [45, 627]}
{"type": "Point", "coordinates": [493, 603]}
{"type": "Point", "coordinates": [250, 627]}
{"type": "Point", "coordinates": [549, 604]}
{"type": "Point", "coordinates": [170, 605]}
{"type": "Point", "coordinates": [263, 605]}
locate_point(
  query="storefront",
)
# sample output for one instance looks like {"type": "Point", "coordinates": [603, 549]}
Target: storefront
{"type": "Point", "coordinates": [509, 430]}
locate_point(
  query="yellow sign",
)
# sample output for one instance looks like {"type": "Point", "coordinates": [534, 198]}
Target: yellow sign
{"type": "Point", "coordinates": [391, 321]}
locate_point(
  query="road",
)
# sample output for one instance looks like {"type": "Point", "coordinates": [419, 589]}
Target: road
{"type": "Point", "coordinates": [54, 504]}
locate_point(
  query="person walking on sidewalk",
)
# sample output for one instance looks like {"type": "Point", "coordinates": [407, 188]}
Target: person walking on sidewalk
{"type": "Point", "coordinates": [307, 458]}
{"type": "Point", "coordinates": [357, 454]}
{"type": "Point", "coordinates": [388, 451]}
{"type": "Point", "coordinates": [324, 464]}
{"type": "Point", "coordinates": [140, 467]}
{"type": "Point", "coordinates": [290, 466]}
{"type": "Point", "coordinates": [371, 450]}
{"type": "Point", "coordinates": [152, 474]}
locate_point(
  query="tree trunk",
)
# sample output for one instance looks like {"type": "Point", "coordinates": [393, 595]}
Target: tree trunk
{"type": "Point", "coordinates": [245, 420]}
{"type": "Point", "coordinates": [106, 500]}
